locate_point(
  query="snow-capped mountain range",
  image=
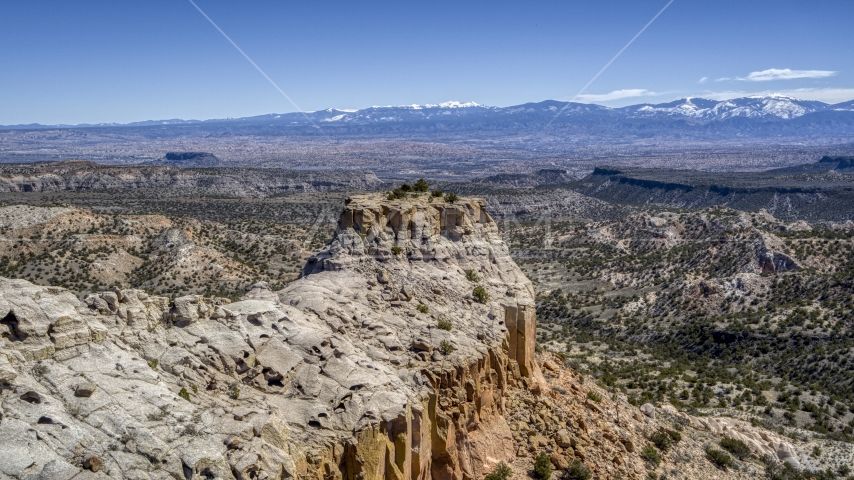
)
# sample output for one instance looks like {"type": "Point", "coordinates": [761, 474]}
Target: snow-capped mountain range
{"type": "Point", "coordinates": [772, 107]}
{"type": "Point", "coordinates": [757, 106]}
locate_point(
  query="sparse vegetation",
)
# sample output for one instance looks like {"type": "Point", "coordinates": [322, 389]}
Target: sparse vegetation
{"type": "Point", "coordinates": [738, 448]}
{"type": "Point", "coordinates": [577, 471]}
{"type": "Point", "coordinates": [422, 308]}
{"type": "Point", "coordinates": [451, 197]}
{"type": "Point", "coordinates": [184, 394]}
{"type": "Point", "coordinates": [421, 186]}
{"type": "Point", "coordinates": [594, 396]}
{"type": "Point", "coordinates": [650, 454]}
{"type": "Point", "coordinates": [480, 294]}
{"type": "Point", "coordinates": [472, 276]}
{"type": "Point", "coordinates": [543, 466]}
{"type": "Point", "coordinates": [501, 472]}
{"type": "Point", "coordinates": [661, 440]}
{"type": "Point", "coordinates": [233, 391]}
{"type": "Point", "coordinates": [719, 458]}
{"type": "Point", "coordinates": [446, 348]}
{"type": "Point", "coordinates": [445, 324]}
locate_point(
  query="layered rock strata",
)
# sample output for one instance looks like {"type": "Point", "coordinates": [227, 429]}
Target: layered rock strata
{"type": "Point", "coordinates": [380, 362]}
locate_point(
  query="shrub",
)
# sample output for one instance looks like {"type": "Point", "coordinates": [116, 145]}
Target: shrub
{"type": "Point", "coordinates": [422, 308]}
{"type": "Point", "coordinates": [444, 324]}
{"type": "Point", "coordinates": [436, 193]}
{"type": "Point", "coordinates": [396, 250]}
{"type": "Point", "coordinates": [651, 455]}
{"type": "Point", "coordinates": [661, 440]}
{"type": "Point", "coordinates": [736, 447]}
{"type": "Point", "coordinates": [480, 295]}
{"type": "Point", "coordinates": [195, 388]}
{"type": "Point", "coordinates": [543, 466]}
{"type": "Point", "coordinates": [184, 394]}
{"type": "Point", "coordinates": [577, 471]}
{"type": "Point", "coordinates": [446, 348]}
{"type": "Point", "coordinates": [674, 435]}
{"type": "Point", "coordinates": [719, 458]}
{"type": "Point", "coordinates": [501, 472]}
{"type": "Point", "coordinates": [451, 197]}
{"type": "Point", "coordinates": [234, 392]}
{"type": "Point", "coordinates": [420, 185]}
{"type": "Point", "coordinates": [471, 276]}
{"type": "Point", "coordinates": [594, 396]}
{"type": "Point", "coordinates": [153, 364]}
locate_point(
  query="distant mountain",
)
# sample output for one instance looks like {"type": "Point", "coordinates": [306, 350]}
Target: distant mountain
{"type": "Point", "coordinates": [758, 106]}
{"type": "Point", "coordinates": [754, 116]}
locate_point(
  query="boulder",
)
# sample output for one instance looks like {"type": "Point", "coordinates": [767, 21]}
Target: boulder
{"type": "Point", "coordinates": [85, 389]}
{"type": "Point", "coordinates": [560, 462]}
{"type": "Point", "coordinates": [93, 463]}
{"type": "Point", "coordinates": [648, 409]}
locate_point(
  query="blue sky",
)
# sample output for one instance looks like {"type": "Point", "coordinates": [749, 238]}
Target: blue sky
{"type": "Point", "coordinates": [121, 61]}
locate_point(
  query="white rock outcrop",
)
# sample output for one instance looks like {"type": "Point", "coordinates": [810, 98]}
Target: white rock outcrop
{"type": "Point", "coordinates": [380, 362]}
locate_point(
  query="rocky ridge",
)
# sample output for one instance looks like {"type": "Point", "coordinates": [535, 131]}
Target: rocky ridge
{"type": "Point", "coordinates": [237, 182]}
{"type": "Point", "coordinates": [343, 374]}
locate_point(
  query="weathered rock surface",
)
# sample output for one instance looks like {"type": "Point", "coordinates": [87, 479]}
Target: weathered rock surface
{"type": "Point", "coordinates": [333, 377]}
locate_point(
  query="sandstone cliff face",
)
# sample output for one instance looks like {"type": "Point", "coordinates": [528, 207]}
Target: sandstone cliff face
{"type": "Point", "coordinates": [343, 374]}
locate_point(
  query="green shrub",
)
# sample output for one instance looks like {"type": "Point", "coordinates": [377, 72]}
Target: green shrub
{"type": "Point", "coordinates": [436, 193]}
{"type": "Point", "coordinates": [651, 455]}
{"type": "Point", "coordinates": [674, 435]}
{"type": "Point", "coordinates": [594, 396]}
{"type": "Point", "coordinates": [446, 348]}
{"type": "Point", "coordinates": [736, 447]}
{"type": "Point", "coordinates": [420, 185]}
{"type": "Point", "coordinates": [444, 324]}
{"type": "Point", "coordinates": [577, 471]}
{"type": "Point", "coordinates": [153, 364]}
{"type": "Point", "coordinates": [184, 394]}
{"type": "Point", "coordinates": [501, 472]}
{"type": "Point", "coordinates": [422, 308]}
{"type": "Point", "coordinates": [661, 440]}
{"type": "Point", "coordinates": [399, 192]}
{"type": "Point", "coordinates": [396, 250]}
{"type": "Point", "coordinates": [234, 392]}
{"type": "Point", "coordinates": [195, 388]}
{"type": "Point", "coordinates": [543, 466]}
{"type": "Point", "coordinates": [719, 458]}
{"type": "Point", "coordinates": [480, 295]}
{"type": "Point", "coordinates": [451, 197]}
{"type": "Point", "coordinates": [471, 276]}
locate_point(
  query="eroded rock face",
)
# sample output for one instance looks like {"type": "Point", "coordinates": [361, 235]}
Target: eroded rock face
{"type": "Point", "coordinates": [345, 373]}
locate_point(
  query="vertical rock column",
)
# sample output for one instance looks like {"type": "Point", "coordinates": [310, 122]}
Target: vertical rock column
{"type": "Point", "coordinates": [521, 321]}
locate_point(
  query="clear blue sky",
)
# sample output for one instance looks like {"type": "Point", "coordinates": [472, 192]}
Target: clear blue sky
{"type": "Point", "coordinates": [121, 61]}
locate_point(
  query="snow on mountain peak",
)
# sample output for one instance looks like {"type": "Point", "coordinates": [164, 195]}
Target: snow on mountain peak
{"type": "Point", "coordinates": [451, 104]}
